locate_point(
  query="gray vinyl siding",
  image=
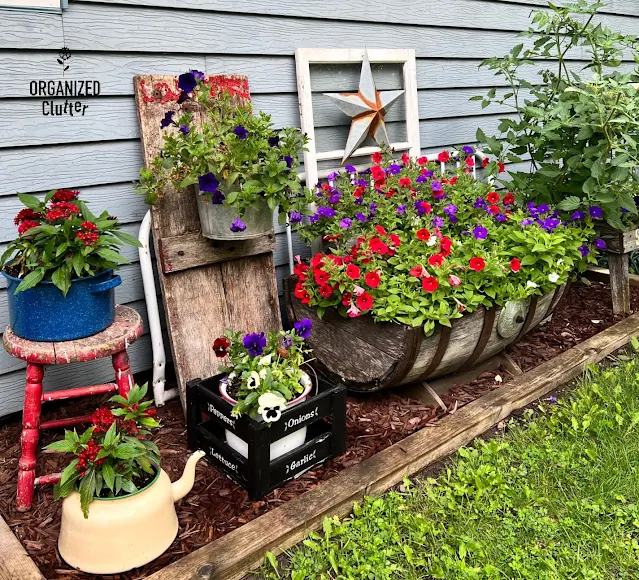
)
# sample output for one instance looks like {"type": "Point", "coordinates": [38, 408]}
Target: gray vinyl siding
{"type": "Point", "coordinates": [112, 40]}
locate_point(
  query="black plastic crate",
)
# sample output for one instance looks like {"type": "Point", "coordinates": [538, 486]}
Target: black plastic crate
{"type": "Point", "coordinates": [208, 415]}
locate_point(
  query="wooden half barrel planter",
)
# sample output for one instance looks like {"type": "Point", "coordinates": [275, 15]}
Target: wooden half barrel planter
{"type": "Point", "coordinates": [370, 356]}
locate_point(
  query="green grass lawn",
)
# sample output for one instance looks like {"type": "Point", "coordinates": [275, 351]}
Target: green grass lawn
{"type": "Point", "coordinates": [557, 497]}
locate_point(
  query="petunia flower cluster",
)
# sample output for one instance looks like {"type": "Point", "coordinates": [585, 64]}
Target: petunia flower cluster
{"type": "Point", "coordinates": [264, 370]}
{"type": "Point", "coordinates": [408, 243]}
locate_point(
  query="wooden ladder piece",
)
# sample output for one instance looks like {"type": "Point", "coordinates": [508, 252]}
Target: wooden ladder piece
{"type": "Point", "coordinates": [212, 286]}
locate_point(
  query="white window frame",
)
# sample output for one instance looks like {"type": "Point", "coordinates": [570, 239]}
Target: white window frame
{"type": "Point", "coordinates": [41, 5]}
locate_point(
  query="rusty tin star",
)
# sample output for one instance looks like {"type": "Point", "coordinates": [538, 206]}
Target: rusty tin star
{"type": "Point", "coordinates": [367, 108]}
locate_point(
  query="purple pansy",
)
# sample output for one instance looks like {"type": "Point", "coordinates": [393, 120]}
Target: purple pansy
{"type": "Point", "coordinates": [208, 182]}
{"type": "Point", "coordinates": [168, 119]}
{"type": "Point", "coordinates": [255, 343]}
{"type": "Point", "coordinates": [238, 225]}
{"type": "Point", "coordinates": [287, 341]}
{"type": "Point", "coordinates": [480, 233]}
{"type": "Point", "coordinates": [240, 131]}
{"type": "Point", "coordinates": [303, 327]}
{"type": "Point", "coordinates": [199, 76]}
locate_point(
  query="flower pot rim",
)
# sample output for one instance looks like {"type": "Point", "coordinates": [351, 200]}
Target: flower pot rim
{"type": "Point", "coordinates": [10, 277]}
{"type": "Point", "coordinates": [299, 399]}
{"type": "Point", "coordinates": [157, 475]}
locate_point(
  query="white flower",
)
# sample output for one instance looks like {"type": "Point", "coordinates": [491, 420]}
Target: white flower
{"type": "Point", "coordinates": [265, 360]}
{"type": "Point", "coordinates": [553, 277]}
{"type": "Point", "coordinates": [232, 375]}
{"type": "Point", "coordinates": [253, 380]}
{"type": "Point", "coordinates": [531, 284]}
{"type": "Point", "coordinates": [271, 406]}
{"type": "Point", "coordinates": [432, 241]}
{"type": "Point", "coordinates": [262, 374]}
{"type": "Point", "coordinates": [305, 380]}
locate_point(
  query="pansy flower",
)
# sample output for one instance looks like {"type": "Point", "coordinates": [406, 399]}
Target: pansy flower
{"type": "Point", "coordinates": [254, 343]}
{"type": "Point", "coordinates": [221, 346]}
{"type": "Point", "coordinates": [303, 327]}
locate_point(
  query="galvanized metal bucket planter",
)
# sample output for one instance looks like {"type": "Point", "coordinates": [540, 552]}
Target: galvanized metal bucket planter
{"type": "Point", "coordinates": [216, 220]}
{"type": "Point", "coordinates": [43, 313]}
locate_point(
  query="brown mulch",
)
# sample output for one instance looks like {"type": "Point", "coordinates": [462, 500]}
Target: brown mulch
{"type": "Point", "coordinates": [216, 505]}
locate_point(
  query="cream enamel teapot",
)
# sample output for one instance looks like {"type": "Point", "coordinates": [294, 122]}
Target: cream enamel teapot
{"type": "Point", "coordinates": [124, 532]}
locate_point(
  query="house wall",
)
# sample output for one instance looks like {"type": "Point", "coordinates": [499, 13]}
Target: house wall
{"type": "Point", "coordinates": [112, 40]}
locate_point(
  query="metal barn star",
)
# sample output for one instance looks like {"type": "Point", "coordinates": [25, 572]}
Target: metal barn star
{"type": "Point", "coordinates": [367, 108]}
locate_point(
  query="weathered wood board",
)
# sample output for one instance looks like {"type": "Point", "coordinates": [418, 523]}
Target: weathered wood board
{"type": "Point", "coordinates": [232, 556]}
{"type": "Point", "coordinates": [15, 563]}
{"type": "Point", "coordinates": [205, 289]}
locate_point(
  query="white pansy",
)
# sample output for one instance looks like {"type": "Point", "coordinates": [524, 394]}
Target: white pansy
{"type": "Point", "coordinates": [266, 360]}
{"type": "Point", "coordinates": [271, 406]}
{"type": "Point", "coordinates": [232, 375]}
{"type": "Point", "coordinates": [262, 374]}
{"type": "Point", "coordinates": [553, 277]}
{"type": "Point", "coordinates": [253, 380]}
{"type": "Point", "coordinates": [531, 284]}
{"type": "Point", "coordinates": [305, 380]}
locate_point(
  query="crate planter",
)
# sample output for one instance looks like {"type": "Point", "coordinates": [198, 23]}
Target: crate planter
{"type": "Point", "coordinates": [209, 418]}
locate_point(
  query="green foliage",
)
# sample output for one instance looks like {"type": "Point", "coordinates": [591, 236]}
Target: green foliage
{"type": "Point", "coordinates": [556, 498]}
{"type": "Point", "coordinates": [267, 372]}
{"type": "Point", "coordinates": [113, 453]}
{"type": "Point", "coordinates": [258, 166]}
{"type": "Point", "coordinates": [60, 239]}
{"type": "Point", "coordinates": [578, 126]}
{"type": "Point", "coordinates": [416, 264]}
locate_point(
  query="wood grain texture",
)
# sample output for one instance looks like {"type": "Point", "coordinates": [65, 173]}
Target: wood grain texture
{"type": "Point", "coordinates": [32, 29]}
{"type": "Point", "coordinates": [202, 302]}
{"type": "Point", "coordinates": [15, 563]}
{"type": "Point", "coordinates": [237, 553]}
{"type": "Point", "coordinates": [619, 283]}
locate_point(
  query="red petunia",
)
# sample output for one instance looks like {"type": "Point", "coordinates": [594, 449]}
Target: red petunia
{"type": "Point", "coordinates": [417, 271]}
{"type": "Point", "coordinates": [364, 301]}
{"type": "Point", "coordinates": [493, 197]}
{"type": "Point", "coordinates": [299, 290]}
{"type": "Point", "coordinates": [346, 299]}
{"type": "Point", "coordinates": [380, 230]}
{"type": "Point", "coordinates": [477, 264]}
{"type": "Point", "coordinates": [306, 299]}
{"type": "Point", "coordinates": [422, 160]}
{"type": "Point", "coordinates": [453, 180]}
{"type": "Point", "coordinates": [321, 277]}
{"type": "Point", "coordinates": [317, 260]}
{"type": "Point", "coordinates": [470, 161]}
{"type": "Point", "coordinates": [485, 162]}
{"type": "Point", "coordinates": [372, 279]}
{"type": "Point", "coordinates": [394, 239]}
{"type": "Point", "coordinates": [515, 265]}
{"type": "Point", "coordinates": [376, 157]}
{"type": "Point", "coordinates": [326, 291]}
{"type": "Point", "coordinates": [405, 182]}
{"type": "Point", "coordinates": [444, 157]}
{"type": "Point", "coordinates": [377, 172]}
{"type": "Point", "coordinates": [509, 199]}
{"type": "Point", "coordinates": [352, 271]}
{"type": "Point", "coordinates": [359, 192]}
{"type": "Point", "coordinates": [436, 260]}
{"type": "Point", "coordinates": [430, 284]}
{"type": "Point", "coordinates": [494, 209]}
{"type": "Point", "coordinates": [501, 167]}
{"type": "Point", "coordinates": [405, 159]}
{"type": "Point", "coordinates": [423, 235]}
{"type": "Point", "coordinates": [376, 245]}
{"type": "Point", "coordinates": [300, 269]}
{"type": "Point", "coordinates": [221, 346]}
{"type": "Point", "coordinates": [445, 244]}
{"type": "Point", "coordinates": [326, 188]}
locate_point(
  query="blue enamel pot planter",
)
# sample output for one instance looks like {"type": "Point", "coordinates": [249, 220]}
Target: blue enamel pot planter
{"type": "Point", "coordinates": [43, 313]}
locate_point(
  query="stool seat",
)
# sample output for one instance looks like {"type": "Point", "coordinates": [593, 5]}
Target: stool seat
{"type": "Point", "coordinates": [125, 330]}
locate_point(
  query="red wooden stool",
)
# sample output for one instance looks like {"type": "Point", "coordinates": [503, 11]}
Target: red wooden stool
{"type": "Point", "coordinates": [113, 342]}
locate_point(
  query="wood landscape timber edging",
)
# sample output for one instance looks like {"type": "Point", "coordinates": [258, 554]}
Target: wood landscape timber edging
{"type": "Point", "coordinates": [15, 563]}
{"type": "Point", "coordinates": [243, 549]}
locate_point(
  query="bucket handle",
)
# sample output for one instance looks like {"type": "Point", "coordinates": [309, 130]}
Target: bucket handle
{"type": "Point", "coordinates": [107, 285]}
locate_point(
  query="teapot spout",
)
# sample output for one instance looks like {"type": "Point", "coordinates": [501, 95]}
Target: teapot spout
{"type": "Point", "coordinates": [183, 485]}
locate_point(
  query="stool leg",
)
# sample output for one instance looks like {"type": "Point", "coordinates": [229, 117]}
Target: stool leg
{"type": "Point", "coordinates": [30, 436]}
{"type": "Point", "coordinates": [123, 375]}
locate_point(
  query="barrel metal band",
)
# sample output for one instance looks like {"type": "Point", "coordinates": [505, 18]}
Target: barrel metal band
{"type": "Point", "coordinates": [484, 337]}
{"type": "Point", "coordinates": [442, 346]}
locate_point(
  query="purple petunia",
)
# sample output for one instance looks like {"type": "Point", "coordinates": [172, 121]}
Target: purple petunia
{"type": "Point", "coordinates": [437, 222]}
{"type": "Point", "coordinates": [185, 129]}
{"type": "Point", "coordinates": [295, 217]}
{"type": "Point", "coordinates": [332, 176]}
{"type": "Point", "coordinates": [168, 120]}
{"type": "Point", "coordinates": [450, 209]}
{"type": "Point", "coordinates": [549, 224]}
{"type": "Point", "coordinates": [208, 182]}
{"type": "Point", "coordinates": [595, 211]}
{"type": "Point", "coordinates": [394, 169]}
{"type": "Point", "coordinates": [255, 343]}
{"type": "Point", "coordinates": [600, 244]}
{"type": "Point", "coordinates": [217, 197]}
{"type": "Point", "coordinates": [480, 233]}
{"type": "Point", "coordinates": [327, 212]}
{"type": "Point", "coordinates": [436, 186]}
{"type": "Point", "coordinates": [401, 208]}
{"type": "Point", "coordinates": [421, 179]}
{"type": "Point", "coordinates": [274, 141]}
{"type": "Point", "coordinates": [500, 217]}
{"type": "Point", "coordinates": [303, 327]}
{"type": "Point", "coordinates": [480, 203]}
{"type": "Point", "coordinates": [360, 217]}
{"type": "Point", "coordinates": [429, 173]}
{"type": "Point", "coordinates": [334, 198]}
{"type": "Point", "coordinates": [289, 161]}
{"type": "Point", "coordinates": [313, 218]}
{"type": "Point", "coordinates": [359, 201]}
{"type": "Point", "coordinates": [199, 76]}
{"type": "Point", "coordinates": [578, 215]}
{"type": "Point", "coordinates": [526, 222]}
{"type": "Point", "coordinates": [468, 149]}
{"type": "Point", "coordinates": [361, 182]}
{"type": "Point", "coordinates": [241, 132]}
{"type": "Point", "coordinates": [238, 225]}
{"type": "Point", "coordinates": [585, 250]}
{"type": "Point", "coordinates": [373, 208]}
{"type": "Point", "coordinates": [350, 169]}
{"type": "Point", "coordinates": [543, 209]}
{"type": "Point", "coordinates": [346, 223]}
{"type": "Point", "coordinates": [187, 82]}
